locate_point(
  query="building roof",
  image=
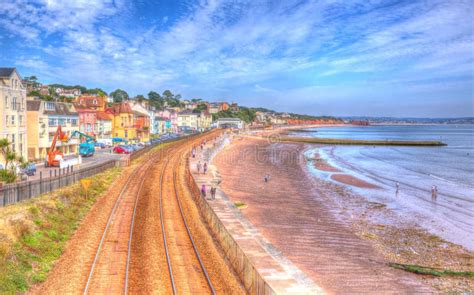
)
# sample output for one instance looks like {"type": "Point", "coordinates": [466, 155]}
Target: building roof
{"type": "Point", "coordinates": [104, 116]}
{"type": "Point", "coordinates": [90, 101]}
{"type": "Point", "coordinates": [121, 107]}
{"type": "Point", "coordinates": [33, 105]}
{"type": "Point", "coordinates": [61, 108]}
{"type": "Point", "coordinates": [187, 113]}
{"type": "Point", "coordinates": [6, 72]}
{"type": "Point", "coordinates": [229, 119]}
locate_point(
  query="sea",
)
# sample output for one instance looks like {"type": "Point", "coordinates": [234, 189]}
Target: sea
{"type": "Point", "coordinates": [417, 169]}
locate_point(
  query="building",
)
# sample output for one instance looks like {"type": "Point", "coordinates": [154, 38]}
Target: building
{"type": "Point", "coordinates": [70, 93]}
{"type": "Point", "coordinates": [204, 121]}
{"type": "Point", "coordinates": [188, 120]}
{"type": "Point", "coordinates": [171, 116]}
{"type": "Point", "coordinates": [88, 106]}
{"type": "Point", "coordinates": [142, 122]}
{"type": "Point", "coordinates": [213, 108]}
{"type": "Point", "coordinates": [43, 119]}
{"type": "Point", "coordinates": [235, 123]}
{"type": "Point", "coordinates": [123, 125]}
{"type": "Point", "coordinates": [104, 125]}
{"type": "Point", "coordinates": [224, 106]}
{"type": "Point", "coordinates": [13, 111]}
{"type": "Point", "coordinates": [162, 125]}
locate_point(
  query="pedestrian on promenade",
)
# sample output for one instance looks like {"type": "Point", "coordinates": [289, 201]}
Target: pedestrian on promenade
{"type": "Point", "coordinates": [213, 192]}
{"type": "Point", "coordinates": [204, 170]}
{"type": "Point", "coordinates": [198, 167]}
{"type": "Point", "coordinates": [397, 188]}
{"type": "Point", "coordinates": [265, 178]}
{"type": "Point", "coordinates": [194, 152]}
{"type": "Point", "coordinates": [435, 192]}
{"type": "Point", "coordinates": [203, 190]}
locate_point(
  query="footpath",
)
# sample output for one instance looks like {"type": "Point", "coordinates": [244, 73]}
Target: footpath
{"type": "Point", "coordinates": [262, 268]}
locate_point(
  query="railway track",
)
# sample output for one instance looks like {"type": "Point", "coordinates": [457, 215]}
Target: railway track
{"type": "Point", "coordinates": [110, 268]}
{"type": "Point", "coordinates": [187, 272]}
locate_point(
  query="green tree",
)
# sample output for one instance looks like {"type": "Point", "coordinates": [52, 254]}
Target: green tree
{"type": "Point", "coordinates": [95, 91]}
{"type": "Point", "coordinates": [119, 95]}
{"type": "Point", "coordinates": [140, 98]}
{"type": "Point", "coordinates": [156, 100]}
{"type": "Point", "coordinates": [196, 100]}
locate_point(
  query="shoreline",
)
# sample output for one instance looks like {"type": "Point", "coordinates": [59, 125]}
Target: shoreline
{"type": "Point", "coordinates": [396, 241]}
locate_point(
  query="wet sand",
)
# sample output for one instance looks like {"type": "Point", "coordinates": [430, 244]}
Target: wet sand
{"type": "Point", "coordinates": [326, 231]}
{"type": "Point", "coordinates": [351, 180]}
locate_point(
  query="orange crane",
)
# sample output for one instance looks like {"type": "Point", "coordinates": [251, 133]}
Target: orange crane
{"type": "Point", "coordinates": [55, 155]}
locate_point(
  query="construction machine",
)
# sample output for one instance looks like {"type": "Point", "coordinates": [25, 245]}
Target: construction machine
{"type": "Point", "coordinates": [86, 147]}
{"type": "Point", "coordinates": [55, 155]}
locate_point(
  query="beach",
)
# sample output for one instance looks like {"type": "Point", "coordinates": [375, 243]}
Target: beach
{"type": "Point", "coordinates": [343, 241]}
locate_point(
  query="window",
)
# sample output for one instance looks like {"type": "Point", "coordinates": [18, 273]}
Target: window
{"type": "Point", "coordinates": [52, 122]}
{"type": "Point", "coordinates": [14, 106]}
{"type": "Point", "coordinates": [94, 101]}
{"type": "Point", "coordinates": [6, 102]}
{"type": "Point", "coordinates": [62, 121]}
{"type": "Point", "coordinates": [49, 106]}
{"type": "Point", "coordinates": [20, 121]}
{"type": "Point", "coordinates": [12, 118]}
{"type": "Point", "coordinates": [74, 122]}
{"type": "Point", "coordinates": [6, 120]}
{"type": "Point", "coordinates": [13, 142]}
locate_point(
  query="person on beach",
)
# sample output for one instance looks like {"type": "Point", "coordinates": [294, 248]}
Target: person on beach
{"type": "Point", "coordinates": [198, 167]}
{"type": "Point", "coordinates": [203, 190]}
{"type": "Point", "coordinates": [204, 170]}
{"type": "Point", "coordinates": [194, 152]}
{"type": "Point", "coordinates": [265, 178]}
{"type": "Point", "coordinates": [397, 185]}
{"type": "Point", "coordinates": [434, 192]}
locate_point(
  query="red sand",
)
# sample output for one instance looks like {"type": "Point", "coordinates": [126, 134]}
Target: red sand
{"type": "Point", "coordinates": [297, 214]}
{"type": "Point", "coordinates": [351, 180]}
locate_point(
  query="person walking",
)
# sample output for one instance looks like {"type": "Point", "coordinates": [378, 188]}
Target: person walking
{"type": "Point", "coordinates": [213, 192]}
{"type": "Point", "coordinates": [198, 167]}
{"type": "Point", "coordinates": [194, 152]}
{"type": "Point", "coordinates": [397, 185]}
{"type": "Point", "coordinates": [433, 193]}
{"type": "Point", "coordinates": [203, 190]}
{"type": "Point", "coordinates": [204, 170]}
{"type": "Point", "coordinates": [265, 179]}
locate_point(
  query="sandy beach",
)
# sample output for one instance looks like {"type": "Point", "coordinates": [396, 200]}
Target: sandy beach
{"type": "Point", "coordinates": [342, 241]}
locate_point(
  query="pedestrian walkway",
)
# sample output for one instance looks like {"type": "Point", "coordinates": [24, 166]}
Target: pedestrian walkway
{"type": "Point", "coordinates": [279, 273]}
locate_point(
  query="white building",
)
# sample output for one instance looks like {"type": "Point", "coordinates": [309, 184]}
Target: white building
{"type": "Point", "coordinates": [235, 123]}
{"type": "Point", "coordinates": [13, 111]}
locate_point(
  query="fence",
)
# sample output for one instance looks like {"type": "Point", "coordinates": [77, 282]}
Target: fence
{"type": "Point", "coordinates": [25, 190]}
{"type": "Point", "coordinates": [17, 192]}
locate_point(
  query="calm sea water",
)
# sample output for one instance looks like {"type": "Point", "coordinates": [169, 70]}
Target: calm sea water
{"type": "Point", "coordinates": [417, 169]}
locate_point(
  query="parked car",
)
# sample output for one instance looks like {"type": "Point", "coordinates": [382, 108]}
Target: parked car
{"type": "Point", "coordinates": [121, 149]}
{"type": "Point", "coordinates": [30, 170]}
{"type": "Point", "coordinates": [100, 145]}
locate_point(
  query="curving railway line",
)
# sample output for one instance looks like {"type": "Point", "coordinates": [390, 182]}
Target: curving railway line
{"type": "Point", "coordinates": [122, 261]}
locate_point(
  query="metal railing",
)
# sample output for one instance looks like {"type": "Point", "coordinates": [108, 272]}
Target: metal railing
{"type": "Point", "coordinates": [25, 190]}
{"type": "Point", "coordinates": [57, 178]}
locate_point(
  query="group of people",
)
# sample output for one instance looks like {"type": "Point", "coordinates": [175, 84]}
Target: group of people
{"type": "Point", "coordinates": [434, 191]}
{"type": "Point", "coordinates": [212, 191]}
{"type": "Point", "coordinates": [199, 166]}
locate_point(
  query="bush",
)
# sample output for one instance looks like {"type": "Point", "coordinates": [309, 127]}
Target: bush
{"type": "Point", "coordinates": [7, 176]}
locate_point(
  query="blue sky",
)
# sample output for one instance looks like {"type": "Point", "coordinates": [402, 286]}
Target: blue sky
{"type": "Point", "coordinates": [335, 57]}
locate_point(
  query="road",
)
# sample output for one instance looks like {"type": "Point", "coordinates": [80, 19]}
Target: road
{"type": "Point", "coordinates": [100, 156]}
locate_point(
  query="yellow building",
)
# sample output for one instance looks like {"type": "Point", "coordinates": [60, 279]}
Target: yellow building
{"type": "Point", "coordinates": [13, 111]}
{"type": "Point", "coordinates": [43, 118]}
{"type": "Point", "coordinates": [123, 124]}
{"type": "Point", "coordinates": [204, 121]}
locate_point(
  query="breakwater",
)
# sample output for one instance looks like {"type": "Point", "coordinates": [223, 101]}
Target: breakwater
{"type": "Point", "coordinates": [362, 142]}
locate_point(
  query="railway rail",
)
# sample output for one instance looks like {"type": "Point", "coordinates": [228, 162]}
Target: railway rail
{"type": "Point", "coordinates": [186, 239]}
{"type": "Point", "coordinates": [110, 269]}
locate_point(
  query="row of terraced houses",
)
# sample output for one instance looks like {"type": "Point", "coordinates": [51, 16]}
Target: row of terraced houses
{"type": "Point", "coordinates": [29, 123]}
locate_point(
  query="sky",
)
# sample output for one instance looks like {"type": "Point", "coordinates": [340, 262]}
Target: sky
{"type": "Point", "coordinates": [335, 57]}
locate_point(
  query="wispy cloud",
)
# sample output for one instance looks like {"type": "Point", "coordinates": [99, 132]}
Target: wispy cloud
{"type": "Point", "coordinates": [240, 45]}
